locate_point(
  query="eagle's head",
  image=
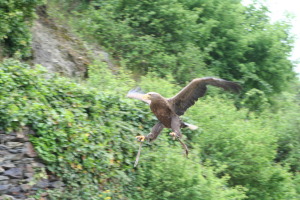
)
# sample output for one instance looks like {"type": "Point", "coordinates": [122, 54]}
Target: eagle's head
{"type": "Point", "coordinates": [152, 96]}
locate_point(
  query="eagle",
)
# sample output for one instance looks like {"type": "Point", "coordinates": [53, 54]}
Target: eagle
{"type": "Point", "coordinates": [169, 110]}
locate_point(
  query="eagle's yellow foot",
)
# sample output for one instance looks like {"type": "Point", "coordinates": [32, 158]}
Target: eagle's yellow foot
{"type": "Point", "coordinates": [140, 138]}
{"type": "Point", "coordinates": [173, 134]}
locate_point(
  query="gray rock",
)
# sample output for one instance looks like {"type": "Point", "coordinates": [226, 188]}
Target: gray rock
{"type": "Point", "coordinates": [54, 52]}
{"type": "Point", "coordinates": [29, 150]}
{"type": "Point", "coordinates": [37, 164]}
{"type": "Point", "coordinates": [8, 165]}
{"type": "Point", "coordinates": [29, 168]}
{"type": "Point", "coordinates": [19, 196]}
{"type": "Point", "coordinates": [15, 181]}
{"type": "Point", "coordinates": [28, 175]}
{"type": "Point", "coordinates": [22, 136]}
{"type": "Point", "coordinates": [18, 161]}
{"type": "Point", "coordinates": [4, 188]}
{"type": "Point", "coordinates": [26, 161]}
{"type": "Point", "coordinates": [14, 173]}
{"type": "Point", "coordinates": [4, 182]}
{"type": "Point", "coordinates": [6, 137]}
{"type": "Point", "coordinates": [14, 190]}
{"type": "Point", "coordinates": [7, 197]}
{"type": "Point", "coordinates": [3, 178]}
{"type": "Point", "coordinates": [16, 150]}
{"type": "Point", "coordinates": [20, 165]}
{"type": "Point", "coordinates": [57, 184]}
{"type": "Point", "coordinates": [13, 157]}
{"type": "Point", "coordinates": [44, 183]}
{"type": "Point", "coordinates": [28, 180]}
{"type": "Point", "coordinates": [26, 187]}
{"type": "Point", "coordinates": [3, 147]}
{"type": "Point", "coordinates": [14, 144]}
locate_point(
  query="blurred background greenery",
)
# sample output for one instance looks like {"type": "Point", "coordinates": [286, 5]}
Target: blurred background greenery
{"type": "Point", "coordinates": [247, 146]}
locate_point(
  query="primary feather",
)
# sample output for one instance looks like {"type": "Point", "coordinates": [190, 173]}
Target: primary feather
{"type": "Point", "coordinates": [196, 89]}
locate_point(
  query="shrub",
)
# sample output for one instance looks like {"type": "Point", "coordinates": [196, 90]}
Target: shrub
{"type": "Point", "coordinates": [166, 174]}
{"type": "Point", "coordinates": [85, 136]}
{"type": "Point", "coordinates": [15, 20]}
{"type": "Point", "coordinates": [243, 146]}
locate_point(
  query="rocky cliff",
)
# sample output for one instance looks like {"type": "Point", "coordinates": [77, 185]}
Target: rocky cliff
{"type": "Point", "coordinates": [55, 47]}
{"type": "Point", "coordinates": [22, 174]}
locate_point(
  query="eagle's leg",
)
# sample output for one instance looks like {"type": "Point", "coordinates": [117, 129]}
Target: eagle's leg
{"type": "Point", "coordinates": [155, 131]}
{"type": "Point", "coordinates": [175, 126]}
{"type": "Point", "coordinates": [186, 150]}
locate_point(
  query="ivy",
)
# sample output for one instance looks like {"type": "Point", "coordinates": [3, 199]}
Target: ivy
{"type": "Point", "coordinates": [16, 17]}
{"type": "Point", "coordinates": [82, 134]}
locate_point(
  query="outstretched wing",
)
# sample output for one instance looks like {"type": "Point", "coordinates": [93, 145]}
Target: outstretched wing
{"type": "Point", "coordinates": [196, 89]}
{"type": "Point", "coordinates": [137, 94]}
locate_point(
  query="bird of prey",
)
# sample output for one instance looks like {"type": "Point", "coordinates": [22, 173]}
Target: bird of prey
{"type": "Point", "coordinates": [168, 110]}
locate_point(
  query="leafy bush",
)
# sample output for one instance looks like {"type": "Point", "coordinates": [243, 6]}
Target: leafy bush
{"type": "Point", "coordinates": [81, 133]}
{"type": "Point", "coordinates": [286, 125]}
{"type": "Point", "coordinates": [101, 77]}
{"type": "Point", "coordinates": [85, 135]}
{"type": "Point", "coordinates": [15, 19]}
{"type": "Point", "coordinates": [167, 175]}
{"type": "Point", "coordinates": [243, 146]}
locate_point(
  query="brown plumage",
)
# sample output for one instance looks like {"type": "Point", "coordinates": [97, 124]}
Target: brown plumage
{"type": "Point", "coordinates": [168, 110]}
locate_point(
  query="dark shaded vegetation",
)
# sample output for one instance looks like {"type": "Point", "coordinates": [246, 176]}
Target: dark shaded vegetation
{"type": "Point", "coordinates": [245, 148]}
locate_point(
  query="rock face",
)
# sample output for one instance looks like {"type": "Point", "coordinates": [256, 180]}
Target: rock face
{"type": "Point", "coordinates": [56, 50]}
{"type": "Point", "coordinates": [20, 168]}
{"type": "Point", "coordinates": [60, 51]}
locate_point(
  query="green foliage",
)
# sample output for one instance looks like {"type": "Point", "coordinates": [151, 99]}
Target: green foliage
{"type": "Point", "coordinates": [167, 87]}
{"type": "Point", "coordinates": [244, 146]}
{"type": "Point", "coordinates": [287, 127]}
{"type": "Point", "coordinates": [83, 135]}
{"type": "Point", "coordinates": [84, 132]}
{"type": "Point", "coordinates": [15, 19]}
{"type": "Point", "coordinates": [194, 38]}
{"type": "Point", "coordinates": [79, 130]}
{"type": "Point", "coordinates": [165, 175]}
{"type": "Point", "coordinates": [160, 40]}
{"type": "Point", "coordinates": [297, 183]}
{"type": "Point", "coordinates": [255, 100]}
{"type": "Point", "coordinates": [103, 78]}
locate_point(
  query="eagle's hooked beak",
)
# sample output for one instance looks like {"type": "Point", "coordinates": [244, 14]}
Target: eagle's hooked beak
{"type": "Point", "coordinates": [146, 97]}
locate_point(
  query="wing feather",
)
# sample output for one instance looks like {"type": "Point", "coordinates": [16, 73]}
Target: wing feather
{"type": "Point", "coordinates": [196, 89]}
{"type": "Point", "coordinates": [137, 94]}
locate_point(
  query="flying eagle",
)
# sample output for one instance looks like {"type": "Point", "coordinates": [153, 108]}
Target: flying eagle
{"type": "Point", "coordinates": [168, 110]}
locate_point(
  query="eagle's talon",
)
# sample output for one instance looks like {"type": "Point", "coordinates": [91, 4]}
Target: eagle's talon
{"type": "Point", "coordinates": [173, 134]}
{"type": "Point", "coordinates": [140, 138]}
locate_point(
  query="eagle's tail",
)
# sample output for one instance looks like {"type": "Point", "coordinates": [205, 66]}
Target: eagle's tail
{"type": "Point", "coordinates": [191, 126]}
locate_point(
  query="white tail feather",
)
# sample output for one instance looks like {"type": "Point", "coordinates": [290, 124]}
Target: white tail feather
{"type": "Point", "coordinates": [191, 126]}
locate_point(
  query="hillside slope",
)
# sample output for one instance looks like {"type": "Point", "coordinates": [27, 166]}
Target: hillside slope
{"type": "Point", "coordinates": [55, 47]}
